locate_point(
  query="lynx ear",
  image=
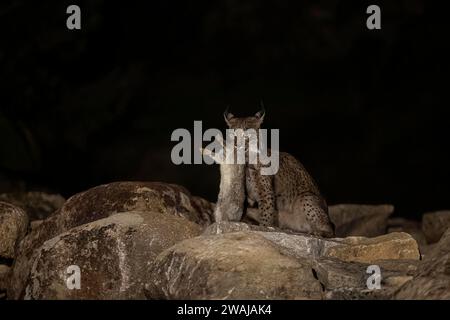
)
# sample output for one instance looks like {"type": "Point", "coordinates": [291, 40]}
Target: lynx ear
{"type": "Point", "coordinates": [261, 113]}
{"type": "Point", "coordinates": [228, 116]}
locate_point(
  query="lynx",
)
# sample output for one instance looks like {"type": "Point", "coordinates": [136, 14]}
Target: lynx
{"type": "Point", "coordinates": [290, 198]}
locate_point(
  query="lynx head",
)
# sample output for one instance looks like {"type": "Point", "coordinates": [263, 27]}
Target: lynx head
{"type": "Point", "coordinates": [245, 122]}
{"type": "Point", "coordinates": [245, 128]}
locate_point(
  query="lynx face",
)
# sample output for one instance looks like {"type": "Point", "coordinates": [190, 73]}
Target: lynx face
{"type": "Point", "coordinates": [249, 126]}
{"type": "Point", "coordinates": [244, 123]}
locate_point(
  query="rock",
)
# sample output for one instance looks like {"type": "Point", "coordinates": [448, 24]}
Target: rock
{"type": "Point", "coordinates": [397, 281]}
{"type": "Point", "coordinates": [114, 255]}
{"type": "Point", "coordinates": [238, 265]}
{"type": "Point", "coordinates": [409, 226]}
{"type": "Point", "coordinates": [13, 227]}
{"type": "Point", "coordinates": [344, 280]}
{"type": "Point", "coordinates": [392, 246]}
{"type": "Point", "coordinates": [360, 220]}
{"type": "Point", "coordinates": [101, 202]}
{"type": "Point", "coordinates": [426, 249]}
{"type": "Point", "coordinates": [299, 245]}
{"type": "Point", "coordinates": [434, 224]}
{"type": "Point", "coordinates": [4, 276]}
{"type": "Point", "coordinates": [36, 223]}
{"type": "Point", "coordinates": [336, 275]}
{"type": "Point", "coordinates": [228, 226]}
{"type": "Point", "coordinates": [38, 205]}
{"type": "Point", "coordinates": [432, 280]}
{"type": "Point", "coordinates": [295, 244]}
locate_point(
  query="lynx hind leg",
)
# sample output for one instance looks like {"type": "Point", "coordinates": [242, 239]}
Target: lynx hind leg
{"type": "Point", "coordinates": [315, 214]}
{"type": "Point", "coordinates": [266, 201]}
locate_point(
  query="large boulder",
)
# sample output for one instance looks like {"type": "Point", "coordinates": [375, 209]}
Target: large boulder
{"type": "Point", "coordinates": [392, 246]}
{"type": "Point", "coordinates": [434, 225]}
{"type": "Point", "coordinates": [230, 260]}
{"type": "Point", "coordinates": [101, 202]}
{"type": "Point", "coordinates": [13, 227]}
{"type": "Point", "coordinates": [238, 265]}
{"type": "Point", "coordinates": [360, 220]}
{"type": "Point", "coordinates": [432, 279]}
{"type": "Point", "coordinates": [114, 255]}
{"type": "Point", "coordinates": [38, 205]}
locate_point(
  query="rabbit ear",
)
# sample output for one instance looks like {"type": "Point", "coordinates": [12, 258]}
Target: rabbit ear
{"type": "Point", "coordinates": [261, 113]}
{"type": "Point", "coordinates": [227, 115]}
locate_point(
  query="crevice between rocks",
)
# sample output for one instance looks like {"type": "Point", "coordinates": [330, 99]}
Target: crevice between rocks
{"type": "Point", "coordinates": [315, 275]}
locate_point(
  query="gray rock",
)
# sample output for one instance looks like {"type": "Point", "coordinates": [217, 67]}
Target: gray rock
{"type": "Point", "coordinates": [345, 281]}
{"type": "Point", "coordinates": [238, 265]}
{"type": "Point", "coordinates": [228, 226]}
{"type": "Point", "coordinates": [38, 205]}
{"type": "Point", "coordinates": [114, 255]}
{"type": "Point", "coordinates": [434, 224]}
{"type": "Point", "coordinates": [222, 264]}
{"type": "Point", "coordinates": [296, 244]}
{"type": "Point", "coordinates": [13, 227]}
{"type": "Point", "coordinates": [360, 220]}
{"type": "Point", "coordinates": [336, 275]}
{"type": "Point", "coordinates": [432, 279]}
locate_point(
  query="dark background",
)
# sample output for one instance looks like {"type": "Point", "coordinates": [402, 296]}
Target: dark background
{"type": "Point", "coordinates": [365, 111]}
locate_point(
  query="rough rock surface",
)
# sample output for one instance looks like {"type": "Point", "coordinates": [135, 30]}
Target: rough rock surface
{"type": "Point", "coordinates": [104, 200]}
{"type": "Point", "coordinates": [196, 268]}
{"type": "Point", "coordinates": [432, 279]}
{"type": "Point", "coordinates": [393, 246]}
{"type": "Point", "coordinates": [229, 226]}
{"type": "Point", "coordinates": [360, 220]}
{"type": "Point", "coordinates": [412, 227]}
{"type": "Point", "coordinates": [101, 202]}
{"type": "Point", "coordinates": [235, 265]}
{"type": "Point", "coordinates": [434, 225]}
{"type": "Point", "coordinates": [13, 226]}
{"type": "Point", "coordinates": [4, 276]}
{"type": "Point", "coordinates": [114, 255]}
{"type": "Point", "coordinates": [38, 205]}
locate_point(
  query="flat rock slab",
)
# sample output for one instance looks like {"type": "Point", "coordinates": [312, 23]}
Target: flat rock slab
{"type": "Point", "coordinates": [392, 246]}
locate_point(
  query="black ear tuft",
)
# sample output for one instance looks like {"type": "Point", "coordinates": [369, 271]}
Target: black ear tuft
{"type": "Point", "coordinates": [261, 113]}
{"type": "Point", "coordinates": [227, 115]}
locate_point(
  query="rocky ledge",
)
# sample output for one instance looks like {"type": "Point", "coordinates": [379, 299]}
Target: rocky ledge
{"type": "Point", "coordinates": [149, 240]}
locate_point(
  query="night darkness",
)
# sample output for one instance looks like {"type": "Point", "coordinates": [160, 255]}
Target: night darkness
{"type": "Point", "coordinates": [366, 111]}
